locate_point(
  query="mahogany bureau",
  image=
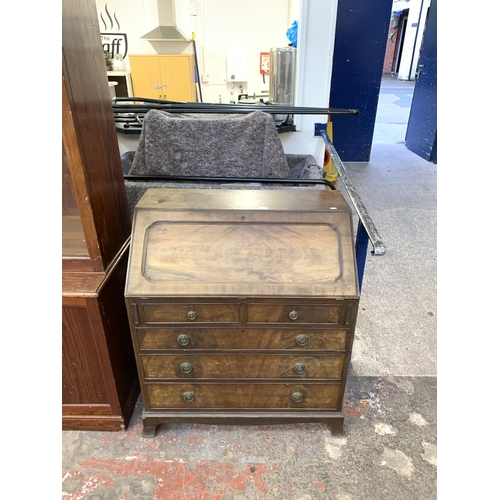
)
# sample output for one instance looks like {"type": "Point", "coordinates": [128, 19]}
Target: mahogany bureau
{"type": "Point", "coordinates": [242, 305]}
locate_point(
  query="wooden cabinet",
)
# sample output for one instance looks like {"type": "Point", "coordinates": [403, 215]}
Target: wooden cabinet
{"type": "Point", "coordinates": [99, 378]}
{"type": "Point", "coordinates": [242, 305]}
{"type": "Point", "coordinates": [165, 77]}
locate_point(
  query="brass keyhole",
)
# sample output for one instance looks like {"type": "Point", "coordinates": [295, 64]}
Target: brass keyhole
{"type": "Point", "coordinates": [191, 314]}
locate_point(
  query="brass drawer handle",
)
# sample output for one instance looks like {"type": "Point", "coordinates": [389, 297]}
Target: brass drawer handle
{"type": "Point", "coordinates": [188, 397]}
{"type": "Point", "coordinates": [191, 314]}
{"type": "Point", "coordinates": [302, 340]}
{"type": "Point", "coordinates": [299, 368]}
{"type": "Point", "coordinates": [297, 397]}
{"type": "Point", "coordinates": [293, 314]}
{"type": "Point", "coordinates": [186, 368]}
{"type": "Point", "coordinates": [183, 340]}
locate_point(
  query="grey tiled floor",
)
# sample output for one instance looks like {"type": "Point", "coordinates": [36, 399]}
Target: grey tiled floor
{"type": "Point", "coordinates": [397, 321]}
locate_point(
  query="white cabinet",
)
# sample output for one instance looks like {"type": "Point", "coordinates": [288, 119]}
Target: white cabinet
{"type": "Point", "coordinates": [124, 83]}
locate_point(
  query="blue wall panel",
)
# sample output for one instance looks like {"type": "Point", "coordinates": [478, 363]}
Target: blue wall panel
{"type": "Point", "coordinates": [421, 135]}
{"type": "Point", "coordinates": [358, 59]}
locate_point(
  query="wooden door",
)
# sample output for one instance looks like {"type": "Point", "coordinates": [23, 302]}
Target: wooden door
{"type": "Point", "coordinates": [177, 72]}
{"type": "Point", "coordinates": [146, 76]}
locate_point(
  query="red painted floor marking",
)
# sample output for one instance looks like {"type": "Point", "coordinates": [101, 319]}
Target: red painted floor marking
{"type": "Point", "coordinates": [319, 486]}
{"type": "Point", "coordinates": [208, 480]}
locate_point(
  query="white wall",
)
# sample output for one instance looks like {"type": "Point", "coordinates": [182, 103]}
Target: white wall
{"type": "Point", "coordinates": [219, 26]}
{"type": "Point", "coordinates": [132, 19]}
{"type": "Point", "coordinates": [250, 28]}
{"type": "Point", "coordinates": [314, 72]}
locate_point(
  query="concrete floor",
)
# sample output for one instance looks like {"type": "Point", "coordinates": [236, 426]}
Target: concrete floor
{"type": "Point", "coordinates": [388, 449]}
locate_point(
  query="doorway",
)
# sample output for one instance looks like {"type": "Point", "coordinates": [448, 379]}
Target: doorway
{"type": "Point", "coordinates": [400, 40]}
{"type": "Point", "coordinates": [395, 96]}
{"type": "Point", "coordinates": [406, 111]}
{"type": "Point", "coordinates": [393, 109]}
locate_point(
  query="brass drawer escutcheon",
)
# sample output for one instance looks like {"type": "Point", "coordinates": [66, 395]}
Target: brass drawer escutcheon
{"type": "Point", "coordinates": [299, 368]}
{"type": "Point", "coordinates": [186, 368]}
{"type": "Point", "coordinates": [302, 340]}
{"type": "Point", "coordinates": [293, 314]}
{"type": "Point", "coordinates": [297, 397]}
{"type": "Point", "coordinates": [188, 397]}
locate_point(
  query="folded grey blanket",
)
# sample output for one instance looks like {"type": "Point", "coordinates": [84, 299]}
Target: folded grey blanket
{"type": "Point", "coordinates": [217, 145]}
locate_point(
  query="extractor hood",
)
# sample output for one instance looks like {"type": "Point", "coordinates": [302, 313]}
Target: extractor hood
{"type": "Point", "coordinates": [163, 11]}
{"type": "Point", "coordinates": [166, 34]}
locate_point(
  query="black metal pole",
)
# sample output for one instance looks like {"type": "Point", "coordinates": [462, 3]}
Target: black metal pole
{"type": "Point", "coordinates": [226, 108]}
{"type": "Point", "coordinates": [197, 68]}
{"type": "Point", "coordinates": [131, 177]}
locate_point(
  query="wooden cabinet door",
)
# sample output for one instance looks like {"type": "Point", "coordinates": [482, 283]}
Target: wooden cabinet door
{"type": "Point", "coordinates": [177, 72]}
{"type": "Point", "coordinates": [146, 76]}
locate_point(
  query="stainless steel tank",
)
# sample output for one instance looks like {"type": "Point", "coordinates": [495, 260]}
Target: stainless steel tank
{"type": "Point", "coordinates": [282, 75]}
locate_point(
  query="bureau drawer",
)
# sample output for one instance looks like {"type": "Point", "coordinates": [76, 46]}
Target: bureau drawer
{"type": "Point", "coordinates": [242, 366]}
{"type": "Point", "coordinates": [294, 313]}
{"type": "Point", "coordinates": [234, 338]}
{"type": "Point", "coordinates": [190, 313]}
{"type": "Point", "coordinates": [243, 396]}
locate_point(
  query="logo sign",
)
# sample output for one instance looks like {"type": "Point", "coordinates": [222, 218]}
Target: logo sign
{"type": "Point", "coordinates": [114, 43]}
